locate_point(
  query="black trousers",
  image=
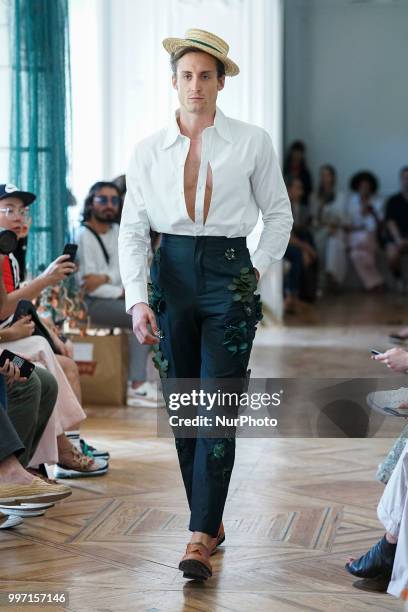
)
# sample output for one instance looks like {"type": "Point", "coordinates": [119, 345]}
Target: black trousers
{"type": "Point", "coordinates": [203, 294]}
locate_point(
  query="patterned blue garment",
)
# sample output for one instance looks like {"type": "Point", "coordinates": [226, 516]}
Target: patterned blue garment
{"type": "Point", "coordinates": [386, 468]}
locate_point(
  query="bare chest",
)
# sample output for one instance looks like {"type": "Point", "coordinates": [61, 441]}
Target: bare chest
{"type": "Point", "coordinates": [191, 175]}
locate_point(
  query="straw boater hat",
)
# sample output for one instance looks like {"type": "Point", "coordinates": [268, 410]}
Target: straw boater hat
{"type": "Point", "coordinates": [207, 42]}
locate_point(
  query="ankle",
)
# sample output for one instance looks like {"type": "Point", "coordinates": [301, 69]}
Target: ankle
{"type": "Point", "coordinates": [200, 537]}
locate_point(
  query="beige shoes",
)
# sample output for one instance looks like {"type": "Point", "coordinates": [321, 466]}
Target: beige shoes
{"type": "Point", "coordinates": [36, 491]}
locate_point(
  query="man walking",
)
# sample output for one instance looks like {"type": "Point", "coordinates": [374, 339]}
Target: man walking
{"type": "Point", "coordinates": [201, 183]}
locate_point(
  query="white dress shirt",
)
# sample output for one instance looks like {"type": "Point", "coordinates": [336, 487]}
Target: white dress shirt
{"type": "Point", "coordinates": [92, 260]}
{"type": "Point", "coordinates": [246, 179]}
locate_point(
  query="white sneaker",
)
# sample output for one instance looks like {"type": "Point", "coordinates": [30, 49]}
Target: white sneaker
{"type": "Point", "coordinates": [147, 394]}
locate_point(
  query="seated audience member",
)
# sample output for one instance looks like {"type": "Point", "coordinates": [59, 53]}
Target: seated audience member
{"type": "Point", "coordinates": [395, 359]}
{"type": "Point", "coordinates": [396, 219]}
{"type": "Point", "coordinates": [387, 561]}
{"type": "Point", "coordinates": [16, 483]}
{"type": "Point", "coordinates": [99, 271]}
{"type": "Point", "coordinates": [364, 212]}
{"type": "Point", "coordinates": [295, 166]}
{"type": "Point", "coordinates": [328, 218]}
{"type": "Point", "coordinates": [54, 446]}
{"type": "Point", "coordinates": [301, 281]}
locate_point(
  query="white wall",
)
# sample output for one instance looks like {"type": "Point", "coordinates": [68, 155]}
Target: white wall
{"type": "Point", "coordinates": [346, 91]}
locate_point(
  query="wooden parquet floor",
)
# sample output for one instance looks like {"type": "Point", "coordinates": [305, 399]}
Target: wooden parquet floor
{"type": "Point", "coordinates": [296, 509]}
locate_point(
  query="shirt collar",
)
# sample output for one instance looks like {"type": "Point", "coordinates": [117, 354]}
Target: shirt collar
{"type": "Point", "coordinates": [221, 125]}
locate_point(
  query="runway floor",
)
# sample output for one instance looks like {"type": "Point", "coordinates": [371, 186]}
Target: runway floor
{"type": "Point", "coordinates": [296, 508]}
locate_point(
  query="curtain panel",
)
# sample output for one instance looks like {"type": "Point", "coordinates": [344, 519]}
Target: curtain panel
{"type": "Point", "coordinates": [40, 120]}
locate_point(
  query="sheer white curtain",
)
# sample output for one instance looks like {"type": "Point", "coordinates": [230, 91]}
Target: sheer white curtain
{"type": "Point", "coordinates": [129, 93]}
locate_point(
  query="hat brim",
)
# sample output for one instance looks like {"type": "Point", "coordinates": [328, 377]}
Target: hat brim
{"type": "Point", "coordinates": [172, 45]}
{"type": "Point", "coordinates": [25, 196]}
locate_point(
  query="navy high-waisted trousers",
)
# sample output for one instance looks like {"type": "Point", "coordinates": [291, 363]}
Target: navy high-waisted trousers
{"type": "Point", "coordinates": [203, 295]}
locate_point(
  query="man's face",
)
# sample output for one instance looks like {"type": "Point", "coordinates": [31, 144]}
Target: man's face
{"type": "Point", "coordinates": [404, 181]}
{"type": "Point", "coordinates": [197, 83]}
{"type": "Point", "coordinates": [105, 205]}
{"type": "Point", "coordinates": [13, 214]}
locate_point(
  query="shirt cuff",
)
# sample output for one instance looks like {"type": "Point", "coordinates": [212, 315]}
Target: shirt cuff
{"type": "Point", "coordinates": [261, 261]}
{"type": "Point", "coordinates": [134, 294]}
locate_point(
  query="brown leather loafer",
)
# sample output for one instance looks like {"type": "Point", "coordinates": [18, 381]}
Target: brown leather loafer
{"type": "Point", "coordinates": [196, 562]}
{"type": "Point", "coordinates": [217, 540]}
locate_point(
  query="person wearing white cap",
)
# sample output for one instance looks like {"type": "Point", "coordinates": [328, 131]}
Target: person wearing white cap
{"type": "Point", "coordinates": [201, 183]}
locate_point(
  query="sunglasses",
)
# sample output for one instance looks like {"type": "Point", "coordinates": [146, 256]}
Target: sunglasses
{"type": "Point", "coordinates": [104, 200]}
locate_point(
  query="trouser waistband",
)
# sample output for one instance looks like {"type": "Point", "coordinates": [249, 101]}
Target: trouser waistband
{"type": "Point", "coordinates": [219, 241]}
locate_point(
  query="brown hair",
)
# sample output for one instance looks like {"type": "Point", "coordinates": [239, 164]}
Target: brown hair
{"type": "Point", "coordinates": [174, 58]}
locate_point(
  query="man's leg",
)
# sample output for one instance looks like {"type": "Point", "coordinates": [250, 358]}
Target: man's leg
{"type": "Point", "coordinates": [10, 442]}
{"type": "Point", "coordinates": [214, 456]}
{"type": "Point", "coordinates": [181, 348]}
{"type": "Point", "coordinates": [173, 301]}
{"type": "Point", "coordinates": [30, 405]}
{"type": "Point", "coordinates": [23, 408]}
{"type": "Point", "coordinates": [228, 330]}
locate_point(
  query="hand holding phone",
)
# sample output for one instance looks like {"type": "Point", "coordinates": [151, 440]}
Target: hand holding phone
{"type": "Point", "coordinates": [71, 250]}
{"type": "Point", "coordinates": [26, 367]}
{"type": "Point", "coordinates": [375, 352]}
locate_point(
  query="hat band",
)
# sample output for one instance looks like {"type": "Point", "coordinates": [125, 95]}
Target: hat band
{"type": "Point", "coordinates": [205, 45]}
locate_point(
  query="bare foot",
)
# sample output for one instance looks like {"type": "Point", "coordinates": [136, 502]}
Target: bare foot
{"type": "Point", "coordinates": [12, 472]}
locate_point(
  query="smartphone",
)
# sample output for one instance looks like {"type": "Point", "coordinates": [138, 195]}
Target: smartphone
{"type": "Point", "coordinates": [375, 352]}
{"type": "Point", "coordinates": [71, 250]}
{"type": "Point", "coordinates": [26, 367]}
